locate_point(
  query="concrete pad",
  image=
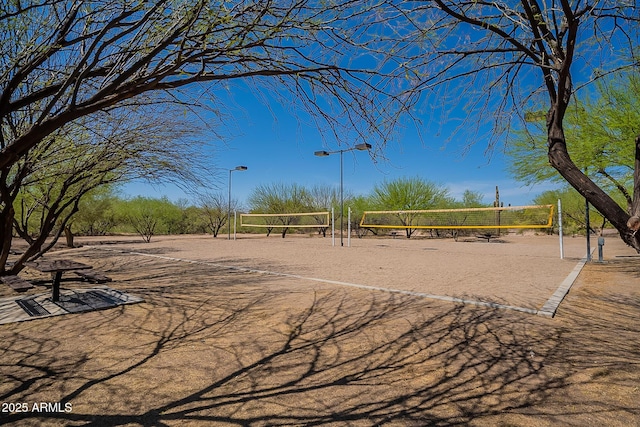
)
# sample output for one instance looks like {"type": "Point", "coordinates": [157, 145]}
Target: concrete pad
{"type": "Point", "coordinates": [24, 308]}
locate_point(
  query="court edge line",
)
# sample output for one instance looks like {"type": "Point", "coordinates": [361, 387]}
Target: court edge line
{"type": "Point", "coordinates": [551, 306]}
{"type": "Point", "coordinates": [333, 282]}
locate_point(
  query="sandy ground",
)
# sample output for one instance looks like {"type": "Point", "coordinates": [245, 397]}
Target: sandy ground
{"type": "Point", "coordinates": [512, 270]}
{"type": "Point", "coordinates": [215, 345]}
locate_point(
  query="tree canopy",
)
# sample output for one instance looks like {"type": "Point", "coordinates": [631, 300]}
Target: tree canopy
{"type": "Point", "coordinates": [63, 63]}
{"type": "Point", "coordinates": [409, 194]}
{"type": "Point", "coordinates": [354, 69]}
{"type": "Point", "coordinates": [509, 58]}
{"type": "Point", "coordinates": [573, 211]}
{"type": "Point", "coordinates": [599, 127]}
{"type": "Point", "coordinates": [48, 184]}
{"type": "Point", "coordinates": [64, 60]}
{"type": "Point", "coordinates": [280, 198]}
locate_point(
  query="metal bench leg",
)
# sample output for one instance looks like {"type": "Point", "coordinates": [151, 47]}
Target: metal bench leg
{"type": "Point", "coordinates": [56, 286]}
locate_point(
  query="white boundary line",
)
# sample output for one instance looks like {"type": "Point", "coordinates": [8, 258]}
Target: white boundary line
{"type": "Point", "coordinates": [551, 306]}
{"type": "Point", "coordinates": [548, 310]}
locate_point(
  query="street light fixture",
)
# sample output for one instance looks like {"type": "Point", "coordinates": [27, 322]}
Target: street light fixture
{"type": "Point", "coordinates": [322, 153]}
{"type": "Point", "coordinates": [237, 168]}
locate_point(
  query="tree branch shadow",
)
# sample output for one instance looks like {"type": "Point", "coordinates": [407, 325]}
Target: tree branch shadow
{"type": "Point", "coordinates": [218, 350]}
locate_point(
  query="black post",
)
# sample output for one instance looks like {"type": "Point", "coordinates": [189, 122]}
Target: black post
{"type": "Point", "coordinates": [588, 230]}
{"type": "Point", "coordinates": [57, 278]}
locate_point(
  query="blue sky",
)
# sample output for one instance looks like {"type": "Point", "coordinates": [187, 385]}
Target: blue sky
{"type": "Point", "coordinates": [282, 150]}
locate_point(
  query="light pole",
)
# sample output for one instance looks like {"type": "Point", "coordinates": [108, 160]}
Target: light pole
{"type": "Point", "coordinates": [361, 147]}
{"type": "Point", "coordinates": [237, 168]}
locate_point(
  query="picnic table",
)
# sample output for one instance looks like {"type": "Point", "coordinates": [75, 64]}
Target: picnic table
{"type": "Point", "coordinates": [487, 236]}
{"type": "Point", "coordinates": [56, 268]}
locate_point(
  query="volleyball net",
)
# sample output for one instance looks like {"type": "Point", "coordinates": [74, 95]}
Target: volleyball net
{"type": "Point", "coordinates": [516, 217]}
{"type": "Point", "coordinates": [286, 220]}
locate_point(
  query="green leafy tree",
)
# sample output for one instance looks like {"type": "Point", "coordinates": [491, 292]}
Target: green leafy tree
{"type": "Point", "coordinates": [171, 216]}
{"type": "Point", "coordinates": [472, 199]}
{"type": "Point", "coordinates": [51, 182]}
{"type": "Point", "coordinates": [324, 197]}
{"type": "Point", "coordinates": [360, 204]}
{"type": "Point", "coordinates": [409, 194]}
{"type": "Point", "coordinates": [573, 210]}
{"type": "Point", "coordinates": [62, 63]}
{"type": "Point", "coordinates": [600, 128]}
{"type": "Point", "coordinates": [215, 211]}
{"type": "Point", "coordinates": [509, 58]}
{"type": "Point", "coordinates": [95, 216]}
{"type": "Point", "coordinates": [280, 199]}
{"type": "Point", "coordinates": [327, 197]}
{"type": "Point", "coordinates": [195, 220]}
{"type": "Point", "coordinates": [148, 216]}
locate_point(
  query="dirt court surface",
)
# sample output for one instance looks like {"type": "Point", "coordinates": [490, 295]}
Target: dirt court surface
{"type": "Point", "coordinates": [296, 332]}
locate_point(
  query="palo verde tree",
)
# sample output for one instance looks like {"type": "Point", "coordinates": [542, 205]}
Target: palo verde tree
{"type": "Point", "coordinates": [95, 216]}
{"type": "Point", "coordinates": [409, 194]}
{"type": "Point", "coordinates": [471, 199]}
{"type": "Point", "coordinates": [214, 210]}
{"type": "Point", "coordinates": [281, 199]}
{"type": "Point", "coordinates": [573, 211]}
{"type": "Point", "coordinates": [102, 149]}
{"type": "Point", "coordinates": [507, 58]}
{"type": "Point", "coordinates": [359, 204]}
{"type": "Point", "coordinates": [64, 61]}
{"type": "Point", "coordinates": [599, 126]}
{"type": "Point", "coordinates": [149, 217]}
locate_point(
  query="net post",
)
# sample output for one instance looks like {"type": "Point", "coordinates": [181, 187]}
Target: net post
{"type": "Point", "coordinates": [349, 228]}
{"type": "Point", "coordinates": [560, 229]}
{"type": "Point", "coordinates": [588, 229]}
{"type": "Point", "coordinates": [333, 227]}
{"type": "Point", "coordinates": [235, 223]}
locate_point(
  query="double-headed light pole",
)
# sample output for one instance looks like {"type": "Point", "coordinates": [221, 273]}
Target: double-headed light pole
{"type": "Point", "coordinates": [360, 147]}
{"type": "Point", "coordinates": [237, 168]}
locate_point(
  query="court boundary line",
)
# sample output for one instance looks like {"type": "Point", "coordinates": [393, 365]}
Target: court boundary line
{"type": "Point", "coordinates": [551, 306]}
{"type": "Point", "coordinates": [548, 309]}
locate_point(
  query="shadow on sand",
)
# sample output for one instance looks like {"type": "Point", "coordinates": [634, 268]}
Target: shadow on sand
{"type": "Point", "coordinates": [219, 348]}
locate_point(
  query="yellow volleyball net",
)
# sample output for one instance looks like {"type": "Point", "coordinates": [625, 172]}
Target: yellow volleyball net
{"type": "Point", "coordinates": [516, 217]}
{"type": "Point", "coordinates": [286, 220]}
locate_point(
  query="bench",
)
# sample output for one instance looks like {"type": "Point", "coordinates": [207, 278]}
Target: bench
{"type": "Point", "coordinates": [17, 283]}
{"type": "Point", "coordinates": [487, 236]}
{"type": "Point", "coordinates": [93, 276]}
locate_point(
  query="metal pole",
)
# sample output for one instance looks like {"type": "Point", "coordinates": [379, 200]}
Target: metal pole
{"type": "Point", "coordinates": [560, 229]}
{"type": "Point", "coordinates": [362, 147]}
{"type": "Point", "coordinates": [588, 229]}
{"type": "Point", "coordinates": [235, 223]}
{"type": "Point", "coordinates": [349, 228]}
{"type": "Point", "coordinates": [333, 226]}
{"type": "Point", "coordinates": [229, 209]}
{"type": "Point", "coordinates": [341, 200]}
